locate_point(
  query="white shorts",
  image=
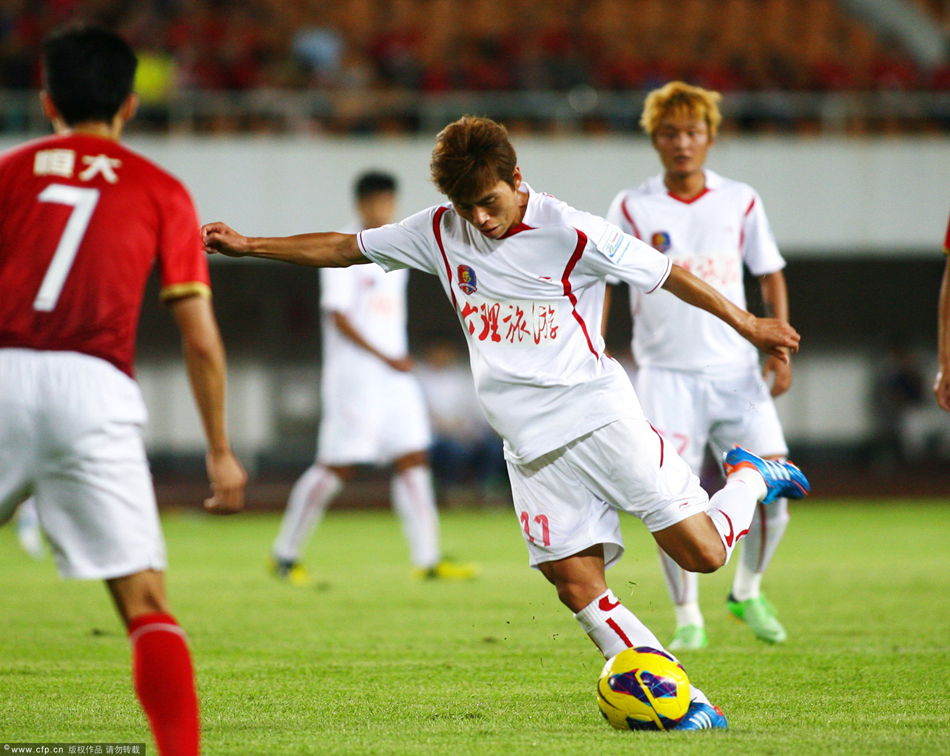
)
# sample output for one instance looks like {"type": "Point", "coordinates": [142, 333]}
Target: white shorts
{"type": "Point", "coordinates": [693, 411]}
{"type": "Point", "coordinates": [568, 500]}
{"type": "Point", "coordinates": [372, 422]}
{"type": "Point", "coordinates": [70, 435]}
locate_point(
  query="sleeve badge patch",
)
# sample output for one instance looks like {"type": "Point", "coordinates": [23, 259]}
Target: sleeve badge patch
{"type": "Point", "coordinates": [660, 241]}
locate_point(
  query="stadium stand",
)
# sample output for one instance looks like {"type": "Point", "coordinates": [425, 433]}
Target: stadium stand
{"type": "Point", "coordinates": [368, 66]}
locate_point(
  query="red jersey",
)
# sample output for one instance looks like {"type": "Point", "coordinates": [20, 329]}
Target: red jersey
{"type": "Point", "coordinates": [82, 221]}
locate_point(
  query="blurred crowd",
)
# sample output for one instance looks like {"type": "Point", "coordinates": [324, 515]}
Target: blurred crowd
{"type": "Point", "coordinates": [378, 48]}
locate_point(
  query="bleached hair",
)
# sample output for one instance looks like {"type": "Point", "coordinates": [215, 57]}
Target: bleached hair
{"type": "Point", "coordinates": [680, 98]}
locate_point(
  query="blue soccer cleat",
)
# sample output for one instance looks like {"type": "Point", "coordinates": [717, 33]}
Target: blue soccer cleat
{"type": "Point", "coordinates": [782, 478]}
{"type": "Point", "coordinates": [702, 716]}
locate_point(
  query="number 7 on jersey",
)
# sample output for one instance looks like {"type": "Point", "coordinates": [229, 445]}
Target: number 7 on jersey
{"type": "Point", "coordinates": [83, 201]}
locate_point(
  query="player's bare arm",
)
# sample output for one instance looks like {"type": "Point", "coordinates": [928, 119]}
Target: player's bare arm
{"type": "Point", "coordinates": [773, 336]}
{"type": "Point", "coordinates": [776, 372]}
{"type": "Point", "coordinates": [942, 384]}
{"type": "Point", "coordinates": [346, 327]}
{"type": "Point", "coordinates": [320, 250]}
{"type": "Point", "coordinates": [205, 362]}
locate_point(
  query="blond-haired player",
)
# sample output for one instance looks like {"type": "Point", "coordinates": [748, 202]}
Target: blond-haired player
{"type": "Point", "coordinates": [525, 275]}
{"type": "Point", "coordinates": [699, 382]}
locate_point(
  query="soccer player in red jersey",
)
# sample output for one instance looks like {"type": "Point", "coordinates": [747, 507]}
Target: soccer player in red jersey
{"type": "Point", "coordinates": [82, 222]}
{"type": "Point", "coordinates": [942, 384]}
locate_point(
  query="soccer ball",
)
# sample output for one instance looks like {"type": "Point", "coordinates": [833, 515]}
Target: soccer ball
{"type": "Point", "coordinates": [643, 689]}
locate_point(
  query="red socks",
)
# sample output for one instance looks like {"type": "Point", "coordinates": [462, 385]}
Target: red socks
{"type": "Point", "coordinates": [165, 682]}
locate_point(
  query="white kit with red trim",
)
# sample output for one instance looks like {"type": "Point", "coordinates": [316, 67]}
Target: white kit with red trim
{"type": "Point", "coordinates": [372, 413]}
{"type": "Point", "coordinates": [530, 305]}
{"type": "Point", "coordinates": [712, 236]}
{"type": "Point", "coordinates": [375, 304]}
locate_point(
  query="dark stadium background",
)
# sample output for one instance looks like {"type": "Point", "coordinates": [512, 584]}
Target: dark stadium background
{"type": "Point", "coordinates": [790, 70]}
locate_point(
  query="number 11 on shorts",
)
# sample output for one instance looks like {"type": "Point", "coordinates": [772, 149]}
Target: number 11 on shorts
{"type": "Point", "coordinates": [539, 520]}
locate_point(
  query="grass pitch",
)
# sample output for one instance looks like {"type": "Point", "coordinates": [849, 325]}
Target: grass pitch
{"type": "Point", "coordinates": [371, 662]}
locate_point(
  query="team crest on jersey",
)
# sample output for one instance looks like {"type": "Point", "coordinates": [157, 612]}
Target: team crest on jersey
{"type": "Point", "coordinates": [660, 241]}
{"type": "Point", "coordinates": [467, 282]}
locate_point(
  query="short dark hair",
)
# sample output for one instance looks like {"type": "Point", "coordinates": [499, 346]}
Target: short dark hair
{"type": "Point", "coordinates": [470, 155]}
{"type": "Point", "coordinates": [88, 72]}
{"type": "Point", "coordinates": [374, 182]}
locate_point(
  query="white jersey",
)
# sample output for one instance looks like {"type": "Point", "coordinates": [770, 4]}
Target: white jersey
{"type": "Point", "coordinates": [530, 306]}
{"type": "Point", "coordinates": [711, 236]}
{"type": "Point", "coordinates": [372, 413]}
{"type": "Point", "coordinates": [375, 303]}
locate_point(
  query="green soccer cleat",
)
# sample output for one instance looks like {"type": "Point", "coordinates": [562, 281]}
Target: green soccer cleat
{"type": "Point", "coordinates": [291, 572]}
{"type": "Point", "coordinates": [689, 638]}
{"type": "Point", "coordinates": [759, 615]}
{"type": "Point", "coordinates": [446, 570]}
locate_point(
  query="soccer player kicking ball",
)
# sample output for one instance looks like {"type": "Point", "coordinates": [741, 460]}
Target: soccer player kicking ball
{"type": "Point", "coordinates": [373, 409]}
{"type": "Point", "coordinates": [525, 274]}
{"type": "Point", "coordinates": [698, 380]}
{"type": "Point", "coordinates": [82, 222]}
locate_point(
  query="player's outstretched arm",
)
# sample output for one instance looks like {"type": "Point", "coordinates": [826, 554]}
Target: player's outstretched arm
{"type": "Point", "coordinates": [942, 384]}
{"type": "Point", "coordinates": [320, 250]}
{"type": "Point", "coordinates": [207, 372]}
{"type": "Point", "coordinates": [772, 335]}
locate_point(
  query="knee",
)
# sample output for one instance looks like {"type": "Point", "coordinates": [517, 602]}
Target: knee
{"type": "Point", "coordinates": [410, 460]}
{"type": "Point", "coordinates": [574, 593]}
{"type": "Point", "coordinates": [151, 598]}
{"type": "Point", "coordinates": [344, 473]}
{"type": "Point", "coordinates": [578, 579]}
{"type": "Point", "coordinates": [575, 596]}
{"type": "Point", "coordinates": [142, 593]}
{"type": "Point", "coordinates": [148, 604]}
{"type": "Point", "coordinates": [702, 557]}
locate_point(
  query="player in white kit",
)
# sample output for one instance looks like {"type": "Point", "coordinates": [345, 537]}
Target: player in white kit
{"type": "Point", "coordinates": [525, 274]}
{"type": "Point", "coordinates": [373, 412]}
{"type": "Point", "coordinates": [699, 382]}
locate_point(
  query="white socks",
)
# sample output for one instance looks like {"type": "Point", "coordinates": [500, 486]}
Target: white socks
{"type": "Point", "coordinates": [683, 585]}
{"type": "Point", "coordinates": [612, 627]}
{"type": "Point", "coordinates": [689, 613]}
{"type": "Point", "coordinates": [758, 548]}
{"type": "Point", "coordinates": [414, 501]}
{"type": "Point", "coordinates": [309, 498]}
{"type": "Point", "coordinates": [732, 507]}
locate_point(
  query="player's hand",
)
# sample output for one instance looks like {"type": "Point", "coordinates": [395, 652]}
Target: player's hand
{"type": "Point", "coordinates": [778, 374]}
{"type": "Point", "coordinates": [222, 239]}
{"type": "Point", "coordinates": [402, 364]}
{"type": "Point", "coordinates": [942, 389]}
{"type": "Point", "coordinates": [227, 478]}
{"type": "Point", "coordinates": [775, 337]}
